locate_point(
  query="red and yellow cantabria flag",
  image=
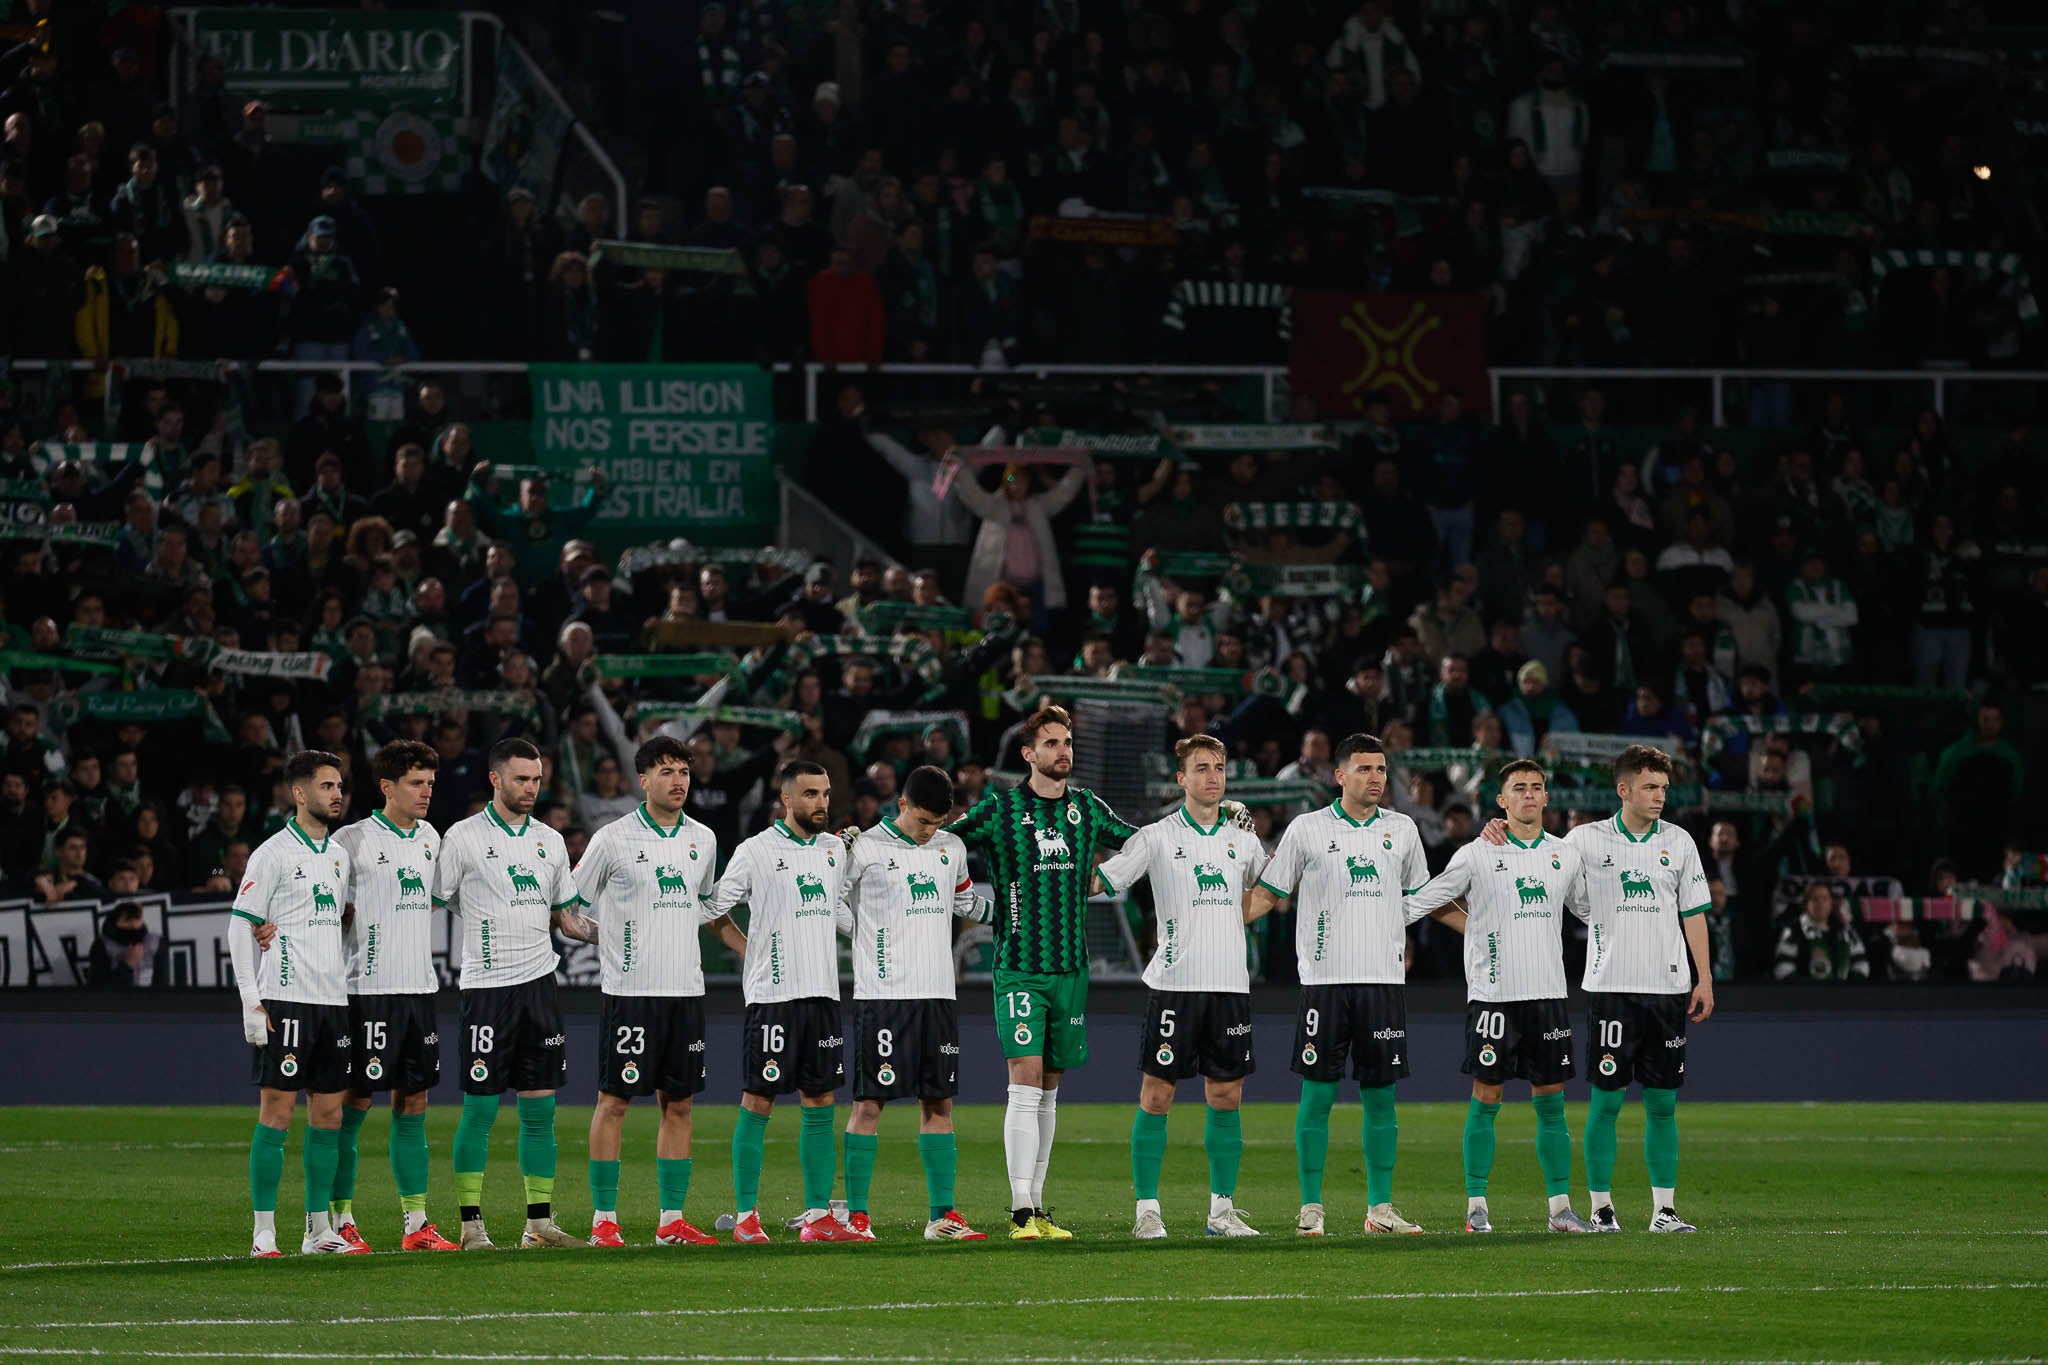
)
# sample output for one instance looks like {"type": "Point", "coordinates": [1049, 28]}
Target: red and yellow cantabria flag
{"type": "Point", "coordinates": [1410, 347]}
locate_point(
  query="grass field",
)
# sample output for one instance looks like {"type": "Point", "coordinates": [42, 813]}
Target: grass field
{"type": "Point", "coordinates": [1833, 1233]}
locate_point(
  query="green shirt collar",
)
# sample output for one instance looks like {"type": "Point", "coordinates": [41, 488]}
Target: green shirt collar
{"type": "Point", "coordinates": [1337, 809]}
{"type": "Point", "coordinates": [292, 823]}
{"type": "Point", "coordinates": [647, 817]}
{"type": "Point", "coordinates": [890, 825]}
{"type": "Point", "coordinates": [1622, 829]}
{"type": "Point", "coordinates": [791, 835]}
{"type": "Point", "coordinates": [491, 814]}
{"type": "Point", "coordinates": [1196, 825]}
{"type": "Point", "coordinates": [381, 819]}
{"type": "Point", "coordinates": [1531, 844]}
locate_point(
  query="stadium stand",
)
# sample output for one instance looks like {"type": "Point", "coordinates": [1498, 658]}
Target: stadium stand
{"type": "Point", "coordinates": [1498, 378]}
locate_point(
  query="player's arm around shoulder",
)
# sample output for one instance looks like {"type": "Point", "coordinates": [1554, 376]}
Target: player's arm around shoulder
{"type": "Point", "coordinates": [1108, 824]}
{"type": "Point", "coordinates": [1446, 890]}
{"type": "Point", "coordinates": [1126, 867]}
{"type": "Point", "coordinates": [448, 865]}
{"type": "Point", "coordinates": [1278, 877]}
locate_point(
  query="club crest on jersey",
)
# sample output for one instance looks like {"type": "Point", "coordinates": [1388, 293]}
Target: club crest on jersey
{"type": "Point", "coordinates": [1230, 850]}
{"type": "Point", "coordinates": [1164, 1056]}
{"type": "Point", "coordinates": [693, 853]}
{"type": "Point", "coordinates": [1663, 858]}
{"type": "Point", "coordinates": [1607, 1066]}
{"type": "Point", "coordinates": [630, 1073]}
{"type": "Point", "coordinates": [1487, 1056]}
{"type": "Point", "coordinates": [945, 859]}
{"type": "Point", "coordinates": [1308, 1055]}
{"type": "Point", "coordinates": [479, 1072]}
{"type": "Point", "coordinates": [886, 1076]}
{"type": "Point", "coordinates": [1022, 1035]}
{"type": "Point", "coordinates": [1387, 842]}
{"type": "Point", "coordinates": [1555, 865]}
{"type": "Point", "coordinates": [770, 1071]}
{"type": "Point", "coordinates": [289, 1066]}
{"type": "Point", "coordinates": [1073, 815]}
{"type": "Point", "coordinates": [373, 1070]}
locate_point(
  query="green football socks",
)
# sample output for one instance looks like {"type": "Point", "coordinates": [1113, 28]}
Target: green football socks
{"type": "Point", "coordinates": [1380, 1137]}
{"type": "Point", "coordinates": [266, 1167]}
{"type": "Point", "coordinates": [1602, 1111]}
{"type": "Point", "coordinates": [1223, 1141]}
{"type": "Point", "coordinates": [749, 1139]}
{"type": "Point", "coordinates": [604, 1186]}
{"type": "Point", "coordinates": [1553, 1144]}
{"type": "Point", "coordinates": [342, 1202]}
{"type": "Point", "coordinates": [941, 1156]}
{"type": "Point", "coordinates": [1660, 1137]}
{"type": "Point", "coordinates": [1479, 1147]}
{"type": "Point", "coordinates": [672, 1179]}
{"type": "Point", "coordinates": [1148, 1153]}
{"type": "Point", "coordinates": [860, 1169]}
{"type": "Point", "coordinates": [537, 1151]}
{"type": "Point", "coordinates": [409, 1160]}
{"type": "Point", "coordinates": [318, 1155]}
{"type": "Point", "coordinates": [1312, 1137]}
{"type": "Point", "coordinates": [815, 1155]}
{"type": "Point", "coordinates": [472, 1149]}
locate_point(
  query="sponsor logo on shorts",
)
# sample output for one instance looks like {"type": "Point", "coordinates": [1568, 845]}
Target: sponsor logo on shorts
{"type": "Point", "coordinates": [553, 1040]}
{"type": "Point", "coordinates": [1308, 1055]}
{"type": "Point", "coordinates": [1607, 1065]}
{"type": "Point", "coordinates": [1237, 1030]}
{"type": "Point", "coordinates": [949, 1049]}
{"type": "Point", "coordinates": [373, 1069]}
{"type": "Point", "coordinates": [1164, 1056]}
{"type": "Point", "coordinates": [697, 1045]}
{"type": "Point", "coordinates": [289, 1066]}
{"type": "Point", "coordinates": [886, 1076]}
{"type": "Point", "coordinates": [1389, 1034]}
{"type": "Point", "coordinates": [1557, 1035]}
{"type": "Point", "coordinates": [770, 1071]}
{"type": "Point", "coordinates": [630, 1074]}
{"type": "Point", "coordinates": [1487, 1056]}
{"type": "Point", "coordinates": [431, 1039]}
{"type": "Point", "coordinates": [831, 1042]}
{"type": "Point", "coordinates": [1076, 1020]}
{"type": "Point", "coordinates": [1674, 1042]}
{"type": "Point", "coordinates": [479, 1072]}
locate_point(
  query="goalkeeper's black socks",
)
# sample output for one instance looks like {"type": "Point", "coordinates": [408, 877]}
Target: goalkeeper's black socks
{"type": "Point", "coordinates": [1020, 1216]}
{"type": "Point", "coordinates": [539, 1213]}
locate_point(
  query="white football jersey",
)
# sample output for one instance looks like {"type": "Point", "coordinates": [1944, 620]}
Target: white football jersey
{"type": "Point", "coordinates": [1199, 874]}
{"type": "Point", "coordinates": [791, 888]}
{"type": "Point", "coordinates": [506, 884]}
{"type": "Point", "coordinates": [1637, 890]}
{"type": "Point", "coordinates": [904, 896]}
{"type": "Point", "coordinates": [649, 889]}
{"type": "Point", "coordinates": [390, 934]}
{"type": "Point", "coordinates": [1515, 897]}
{"type": "Point", "coordinates": [1347, 878]}
{"type": "Point", "coordinates": [298, 884]}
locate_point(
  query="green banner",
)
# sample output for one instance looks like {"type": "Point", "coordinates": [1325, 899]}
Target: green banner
{"type": "Point", "coordinates": [666, 665]}
{"type": "Point", "coordinates": [687, 447]}
{"type": "Point", "coordinates": [151, 704]}
{"type": "Point", "coordinates": [136, 644]}
{"type": "Point", "coordinates": [25, 658]}
{"type": "Point", "coordinates": [336, 59]}
{"type": "Point", "coordinates": [884, 618]}
{"type": "Point", "coordinates": [695, 260]}
{"type": "Point", "coordinates": [503, 702]}
{"type": "Point", "coordinates": [1103, 444]}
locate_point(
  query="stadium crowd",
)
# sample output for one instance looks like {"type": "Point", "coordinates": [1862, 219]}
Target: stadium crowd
{"type": "Point", "coordinates": [1502, 580]}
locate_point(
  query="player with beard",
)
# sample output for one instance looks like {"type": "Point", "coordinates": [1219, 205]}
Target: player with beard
{"type": "Point", "coordinates": [507, 875]}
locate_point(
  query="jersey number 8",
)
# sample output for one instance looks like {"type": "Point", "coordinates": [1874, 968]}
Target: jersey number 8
{"type": "Point", "coordinates": [885, 1043]}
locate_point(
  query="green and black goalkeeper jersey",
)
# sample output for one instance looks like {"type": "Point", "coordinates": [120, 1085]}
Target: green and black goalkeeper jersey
{"type": "Point", "coordinates": [1041, 857]}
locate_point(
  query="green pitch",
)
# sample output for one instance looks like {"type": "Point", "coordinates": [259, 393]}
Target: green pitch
{"type": "Point", "coordinates": [1833, 1233]}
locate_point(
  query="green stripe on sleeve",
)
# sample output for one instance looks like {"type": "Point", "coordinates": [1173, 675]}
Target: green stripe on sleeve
{"type": "Point", "coordinates": [1696, 910]}
{"type": "Point", "coordinates": [244, 914]}
{"type": "Point", "coordinates": [1283, 895]}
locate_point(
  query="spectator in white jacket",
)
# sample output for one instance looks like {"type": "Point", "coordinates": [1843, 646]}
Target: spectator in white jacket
{"type": "Point", "coordinates": [1555, 123]}
{"type": "Point", "coordinates": [1015, 543]}
{"type": "Point", "coordinates": [1371, 47]}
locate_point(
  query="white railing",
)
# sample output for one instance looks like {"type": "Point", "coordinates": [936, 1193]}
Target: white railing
{"type": "Point", "coordinates": [1717, 379]}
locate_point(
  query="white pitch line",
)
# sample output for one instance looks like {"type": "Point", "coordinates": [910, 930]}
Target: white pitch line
{"type": "Point", "coordinates": [702, 1359]}
{"type": "Point", "coordinates": [1102, 1300]}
